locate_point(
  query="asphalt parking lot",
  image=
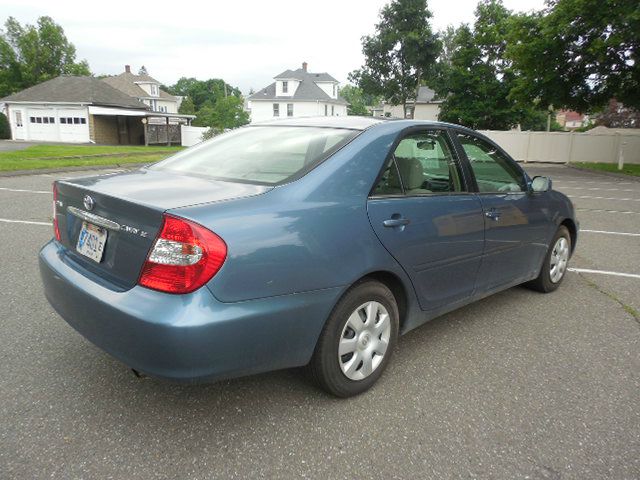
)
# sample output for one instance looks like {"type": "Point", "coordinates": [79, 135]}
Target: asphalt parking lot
{"type": "Point", "coordinates": [519, 385]}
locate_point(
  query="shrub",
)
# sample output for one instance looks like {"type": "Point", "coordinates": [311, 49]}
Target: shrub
{"type": "Point", "coordinates": [5, 128]}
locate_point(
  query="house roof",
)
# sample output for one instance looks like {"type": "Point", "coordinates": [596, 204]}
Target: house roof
{"type": "Point", "coordinates": [72, 89]}
{"type": "Point", "coordinates": [307, 90]}
{"type": "Point", "coordinates": [301, 74]}
{"type": "Point", "coordinates": [126, 82]}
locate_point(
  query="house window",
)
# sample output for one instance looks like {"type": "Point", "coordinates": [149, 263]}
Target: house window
{"type": "Point", "coordinates": [334, 90]}
{"type": "Point", "coordinates": [18, 116]}
{"type": "Point", "coordinates": [154, 90]}
{"type": "Point", "coordinates": [325, 110]}
{"type": "Point", "coordinates": [285, 87]}
{"type": "Point", "coordinates": [289, 109]}
{"type": "Point", "coordinates": [332, 110]}
{"type": "Point", "coordinates": [276, 109]}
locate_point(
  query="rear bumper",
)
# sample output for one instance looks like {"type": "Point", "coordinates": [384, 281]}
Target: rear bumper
{"type": "Point", "coordinates": [186, 337]}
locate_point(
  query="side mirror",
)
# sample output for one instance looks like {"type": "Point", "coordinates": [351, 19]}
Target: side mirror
{"type": "Point", "coordinates": [540, 184]}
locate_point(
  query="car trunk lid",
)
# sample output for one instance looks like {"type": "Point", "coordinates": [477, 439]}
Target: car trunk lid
{"type": "Point", "coordinates": [128, 208]}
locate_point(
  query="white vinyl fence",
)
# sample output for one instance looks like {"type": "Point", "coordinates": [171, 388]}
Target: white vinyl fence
{"type": "Point", "coordinates": [561, 147]}
{"type": "Point", "coordinates": [191, 135]}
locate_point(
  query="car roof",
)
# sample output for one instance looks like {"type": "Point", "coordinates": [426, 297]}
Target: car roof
{"type": "Point", "coordinates": [351, 122]}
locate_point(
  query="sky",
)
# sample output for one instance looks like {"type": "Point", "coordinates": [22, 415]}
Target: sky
{"type": "Point", "coordinates": [245, 42]}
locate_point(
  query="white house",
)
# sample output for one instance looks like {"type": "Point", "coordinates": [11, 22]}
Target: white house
{"type": "Point", "coordinates": [297, 93]}
{"type": "Point", "coordinates": [427, 107]}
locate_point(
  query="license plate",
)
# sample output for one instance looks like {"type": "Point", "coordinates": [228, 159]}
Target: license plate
{"type": "Point", "coordinates": [91, 241]}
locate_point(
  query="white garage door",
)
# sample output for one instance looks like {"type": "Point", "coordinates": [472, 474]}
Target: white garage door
{"type": "Point", "coordinates": [58, 125]}
{"type": "Point", "coordinates": [42, 125]}
{"type": "Point", "coordinates": [74, 125]}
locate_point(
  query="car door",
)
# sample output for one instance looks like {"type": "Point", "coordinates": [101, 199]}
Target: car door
{"type": "Point", "coordinates": [516, 221]}
{"type": "Point", "coordinates": [424, 214]}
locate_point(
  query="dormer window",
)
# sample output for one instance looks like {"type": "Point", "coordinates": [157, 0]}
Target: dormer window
{"type": "Point", "coordinates": [334, 90]}
{"type": "Point", "coordinates": [154, 90]}
{"type": "Point", "coordinates": [285, 87]}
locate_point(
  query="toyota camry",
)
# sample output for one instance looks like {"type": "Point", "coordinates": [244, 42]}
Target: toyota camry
{"type": "Point", "coordinates": [308, 241]}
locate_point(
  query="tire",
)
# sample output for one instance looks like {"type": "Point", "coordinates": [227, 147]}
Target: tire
{"type": "Point", "coordinates": [549, 279]}
{"type": "Point", "coordinates": [354, 372]}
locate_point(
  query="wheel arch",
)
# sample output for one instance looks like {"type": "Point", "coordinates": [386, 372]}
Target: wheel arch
{"type": "Point", "coordinates": [573, 231]}
{"type": "Point", "coordinates": [397, 287]}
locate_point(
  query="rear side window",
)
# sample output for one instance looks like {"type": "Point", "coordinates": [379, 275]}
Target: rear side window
{"type": "Point", "coordinates": [422, 163]}
{"type": "Point", "coordinates": [494, 171]}
{"type": "Point", "coordinates": [264, 155]}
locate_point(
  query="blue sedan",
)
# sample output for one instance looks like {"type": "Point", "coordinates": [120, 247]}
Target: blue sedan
{"type": "Point", "coordinates": [310, 241]}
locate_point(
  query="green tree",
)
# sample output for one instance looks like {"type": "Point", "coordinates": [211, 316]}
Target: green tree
{"type": "Point", "coordinates": [578, 53]}
{"type": "Point", "coordinates": [187, 107]}
{"type": "Point", "coordinates": [358, 101]}
{"type": "Point", "coordinates": [203, 91]}
{"type": "Point", "coordinates": [226, 112]}
{"type": "Point", "coordinates": [400, 54]}
{"type": "Point", "coordinates": [475, 79]}
{"type": "Point", "coordinates": [32, 54]}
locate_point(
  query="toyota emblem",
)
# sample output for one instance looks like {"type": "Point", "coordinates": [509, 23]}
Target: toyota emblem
{"type": "Point", "coordinates": [88, 202]}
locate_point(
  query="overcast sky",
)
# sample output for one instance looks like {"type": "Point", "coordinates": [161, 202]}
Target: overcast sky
{"type": "Point", "coordinates": [245, 42]}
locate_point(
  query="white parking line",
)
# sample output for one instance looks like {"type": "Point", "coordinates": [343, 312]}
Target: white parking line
{"type": "Point", "coordinates": [23, 190]}
{"type": "Point", "coordinates": [602, 189]}
{"type": "Point", "coordinates": [605, 198]}
{"type": "Point", "coordinates": [603, 272]}
{"type": "Point", "coordinates": [611, 233]}
{"type": "Point", "coordinates": [7, 220]}
{"type": "Point", "coordinates": [607, 211]}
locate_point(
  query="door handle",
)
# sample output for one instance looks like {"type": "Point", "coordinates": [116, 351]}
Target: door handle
{"type": "Point", "coordinates": [493, 214]}
{"type": "Point", "coordinates": [396, 222]}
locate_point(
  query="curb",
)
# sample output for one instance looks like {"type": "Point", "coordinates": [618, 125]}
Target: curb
{"type": "Point", "coordinates": [78, 168]}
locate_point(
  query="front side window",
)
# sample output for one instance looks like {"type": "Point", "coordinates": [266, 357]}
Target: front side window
{"type": "Point", "coordinates": [289, 109]}
{"type": "Point", "coordinates": [276, 109]}
{"type": "Point", "coordinates": [424, 164]}
{"type": "Point", "coordinates": [493, 170]}
{"type": "Point", "coordinates": [264, 154]}
{"type": "Point", "coordinates": [18, 116]}
{"type": "Point", "coordinates": [285, 87]}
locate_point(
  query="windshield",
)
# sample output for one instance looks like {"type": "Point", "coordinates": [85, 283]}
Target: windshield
{"type": "Point", "coordinates": [265, 154]}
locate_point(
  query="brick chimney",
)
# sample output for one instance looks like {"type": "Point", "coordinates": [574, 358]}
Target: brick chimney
{"type": "Point", "coordinates": [304, 66]}
{"type": "Point", "coordinates": [127, 68]}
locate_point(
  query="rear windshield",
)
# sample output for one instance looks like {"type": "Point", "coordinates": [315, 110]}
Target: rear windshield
{"type": "Point", "coordinates": [264, 154]}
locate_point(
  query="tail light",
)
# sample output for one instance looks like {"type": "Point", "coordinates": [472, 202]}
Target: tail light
{"type": "Point", "coordinates": [183, 258]}
{"type": "Point", "coordinates": [56, 229]}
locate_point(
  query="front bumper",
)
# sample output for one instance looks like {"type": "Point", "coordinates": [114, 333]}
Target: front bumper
{"type": "Point", "coordinates": [186, 337]}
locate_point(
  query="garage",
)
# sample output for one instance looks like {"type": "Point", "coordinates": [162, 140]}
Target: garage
{"type": "Point", "coordinates": [57, 125]}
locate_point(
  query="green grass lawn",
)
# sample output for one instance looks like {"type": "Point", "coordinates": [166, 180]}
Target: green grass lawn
{"type": "Point", "coordinates": [55, 156]}
{"type": "Point", "coordinates": [628, 169]}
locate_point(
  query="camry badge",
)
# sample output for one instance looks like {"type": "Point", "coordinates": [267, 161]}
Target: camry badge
{"type": "Point", "coordinates": [88, 202]}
